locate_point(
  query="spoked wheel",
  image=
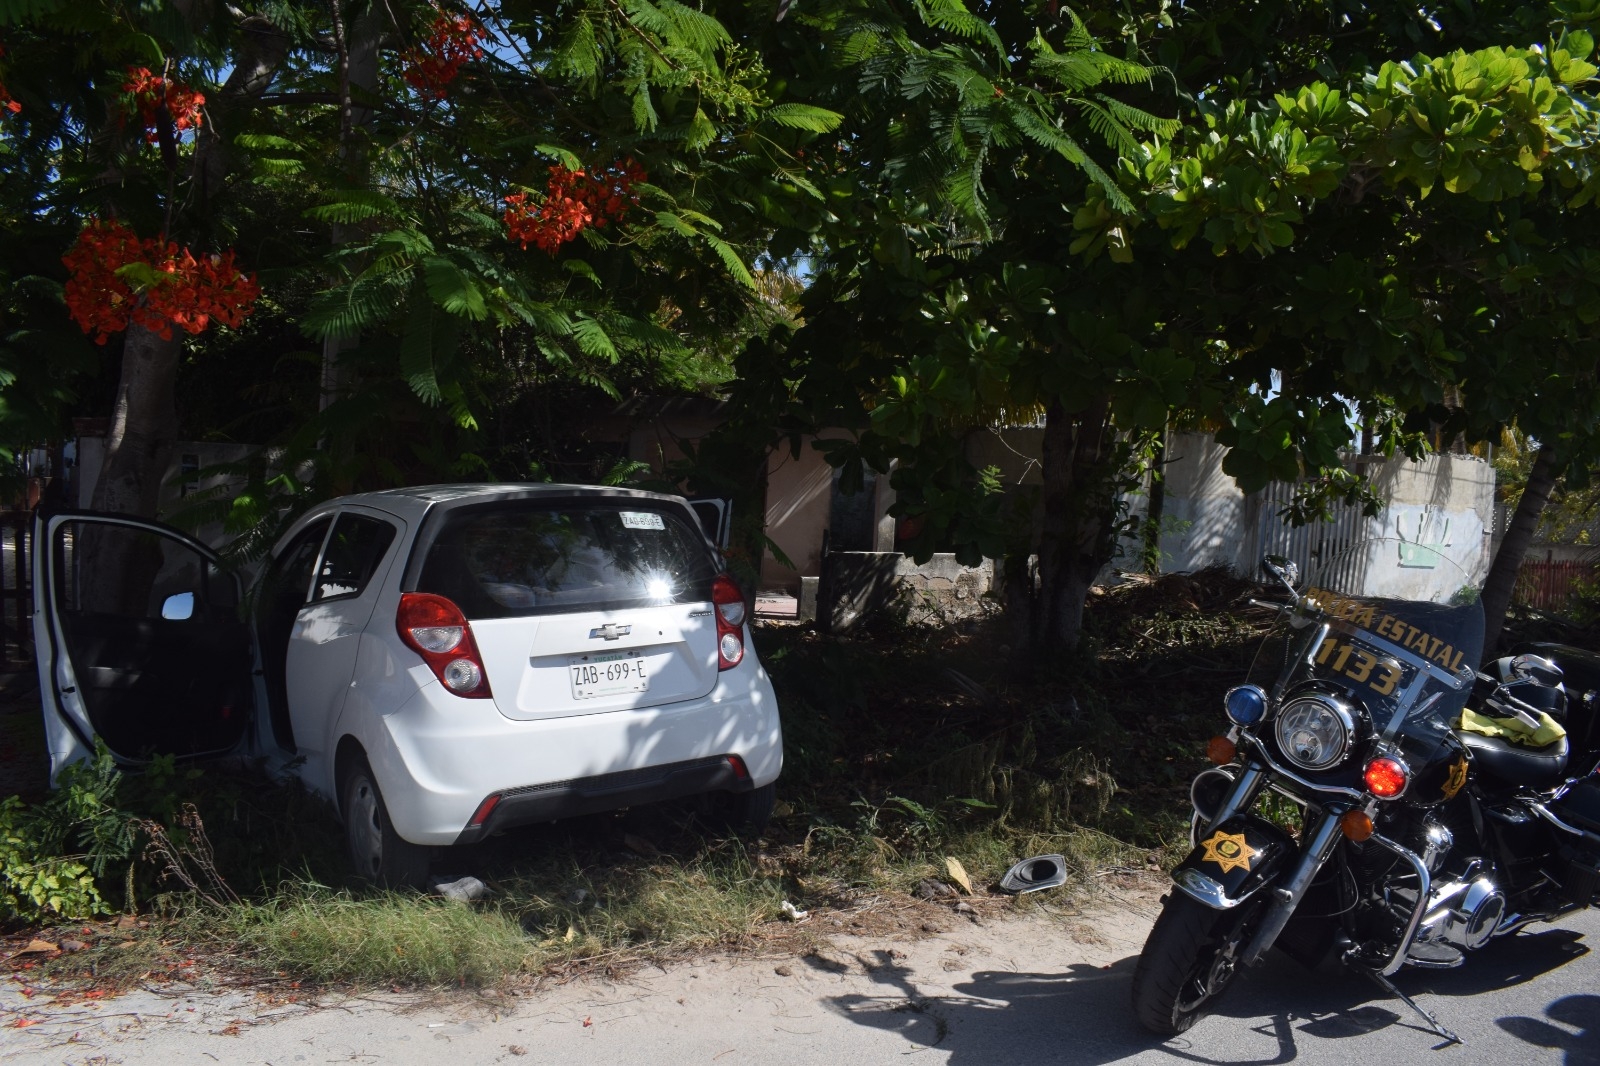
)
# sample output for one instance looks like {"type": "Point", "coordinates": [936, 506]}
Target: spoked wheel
{"type": "Point", "coordinates": [1187, 962]}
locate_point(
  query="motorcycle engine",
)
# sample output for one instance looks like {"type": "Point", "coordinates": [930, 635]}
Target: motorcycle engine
{"type": "Point", "coordinates": [1465, 906]}
{"type": "Point", "coordinates": [1463, 914]}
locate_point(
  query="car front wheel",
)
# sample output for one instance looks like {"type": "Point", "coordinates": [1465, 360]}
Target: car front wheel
{"type": "Point", "coordinates": [377, 852]}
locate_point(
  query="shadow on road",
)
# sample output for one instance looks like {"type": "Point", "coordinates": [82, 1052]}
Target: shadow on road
{"type": "Point", "coordinates": [1577, 1029]}
{"type": "Point", "coordinates": [1081, 1016]}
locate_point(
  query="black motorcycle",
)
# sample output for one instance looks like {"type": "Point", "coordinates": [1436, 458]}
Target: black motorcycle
{"type": "Point", "coordinates": [1378, 799]}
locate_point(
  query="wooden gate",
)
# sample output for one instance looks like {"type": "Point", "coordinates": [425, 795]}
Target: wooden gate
{"type": "Point", "coordinates": [1551, 586]}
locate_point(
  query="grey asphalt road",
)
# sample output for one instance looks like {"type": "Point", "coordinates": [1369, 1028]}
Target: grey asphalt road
{"type": "Point", "coordinates": [1009, 992]}
{"type": "Point", "coordinates": [1533, 998]}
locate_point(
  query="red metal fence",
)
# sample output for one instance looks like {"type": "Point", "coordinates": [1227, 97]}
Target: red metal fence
{"type": "Point", "coordinates": [1551, 586]}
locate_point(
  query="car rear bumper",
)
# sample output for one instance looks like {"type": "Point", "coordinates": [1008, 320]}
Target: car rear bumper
{"type": "Point", "coordinates": [439, 757]}
{"type": "Point", "coordinates": [607, 792]}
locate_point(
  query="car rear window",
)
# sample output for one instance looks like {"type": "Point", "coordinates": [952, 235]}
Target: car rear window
{"type": "Point", "coordinates": [537, 558]}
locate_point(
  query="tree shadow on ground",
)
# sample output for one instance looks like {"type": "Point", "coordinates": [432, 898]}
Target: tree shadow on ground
{"type": "Point", "coordinates": [1272, 1015]}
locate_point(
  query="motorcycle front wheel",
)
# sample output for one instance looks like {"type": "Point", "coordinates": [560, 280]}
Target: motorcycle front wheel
{"type": "Point", "coordinates": [1187, 962]}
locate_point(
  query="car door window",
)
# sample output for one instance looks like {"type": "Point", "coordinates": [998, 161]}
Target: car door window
{"type": "Point", "coordinates": [282, 594]}
{"type": "Point", "coordinates": [151, 626]}
{"type": "Point", "coordinates": [353, 553]}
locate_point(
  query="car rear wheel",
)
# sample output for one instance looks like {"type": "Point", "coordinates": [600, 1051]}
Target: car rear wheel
{"type": "Point", "coordinates": [377, 852]}
{"type": "Point", "coordinates": [748, 813]}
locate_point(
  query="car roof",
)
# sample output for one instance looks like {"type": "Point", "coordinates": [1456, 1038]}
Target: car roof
{"type": "Point", "coordinates": [418, 499]}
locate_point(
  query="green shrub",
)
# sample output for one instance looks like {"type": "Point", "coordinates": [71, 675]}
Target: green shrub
{"type": "Point", "coordinates": [52, 853]}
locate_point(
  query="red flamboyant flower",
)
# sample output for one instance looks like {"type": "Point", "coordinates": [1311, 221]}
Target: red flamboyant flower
{"type": "Point", "coordinates": [436, 60]}
{"type": "Point", "coordinates": [151, 91]}
{"type": "Point", "coordinates": [6, 103]}
{"type": "Point", "coordinates": [573, 199]}
{"type": "Point", "coordinates": [191, 295]}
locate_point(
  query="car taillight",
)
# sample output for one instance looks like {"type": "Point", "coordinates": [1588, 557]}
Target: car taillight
{"type": "Point", "coordinates": [729, 603]}
{"type": "Point", "coordinates": [435, 629]}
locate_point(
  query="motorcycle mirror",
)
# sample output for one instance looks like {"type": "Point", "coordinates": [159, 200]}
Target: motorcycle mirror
{"type": "Point", "coordinates": [1536, 668]}
{"type": "Point", "coordinates": [1283, 568]}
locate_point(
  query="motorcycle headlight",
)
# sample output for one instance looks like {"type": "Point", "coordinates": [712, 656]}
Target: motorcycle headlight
{"type": "Point", "coordinates": [1314, 731]}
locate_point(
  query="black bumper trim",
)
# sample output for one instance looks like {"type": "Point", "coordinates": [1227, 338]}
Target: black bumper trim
{"type": "Point", "coordinates": [554, 800]}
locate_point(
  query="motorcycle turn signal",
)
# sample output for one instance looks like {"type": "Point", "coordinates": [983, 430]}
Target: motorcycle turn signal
{"type": "Point", "coordinates": [1221, 750]}
{"type": "Point", "coordinates": [1356, 825]}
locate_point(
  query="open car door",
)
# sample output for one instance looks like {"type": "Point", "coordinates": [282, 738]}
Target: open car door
{"type": "Point", "coordinates": [139, 640]}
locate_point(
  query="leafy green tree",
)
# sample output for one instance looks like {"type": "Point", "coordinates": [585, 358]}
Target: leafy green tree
{"type": "Point", "coordinates": [493, 195]}
{"type": "Point", "coordinates": [1340, 222]}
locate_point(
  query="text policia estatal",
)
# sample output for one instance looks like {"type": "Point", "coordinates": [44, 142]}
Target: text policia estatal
{"type": "Point", "coordinates": [1403, 633]}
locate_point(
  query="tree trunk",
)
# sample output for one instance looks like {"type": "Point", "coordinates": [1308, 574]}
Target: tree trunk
{"type": "Point", "coordinates": [1502, 580]}
{"type": "Point", "coordinates": [1156, 508]}
{"type": "Point", "coordinates": [1075, 541]}
{"type": "Point", "coordinates": [358, 80]}
{"type": "Point", "coordinates": [262, 51]}
{"type": "Point", "coordinates": [144, 425]}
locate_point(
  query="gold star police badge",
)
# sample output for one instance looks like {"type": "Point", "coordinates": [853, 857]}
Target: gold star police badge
{"type": "Point", "coordinates": [1457, 778]}
{"type": "Point", "coordinates": [1228, 850]}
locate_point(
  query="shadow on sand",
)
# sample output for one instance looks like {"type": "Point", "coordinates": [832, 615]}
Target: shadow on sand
{"type": "Point", "coordinates": [1272, 1015]}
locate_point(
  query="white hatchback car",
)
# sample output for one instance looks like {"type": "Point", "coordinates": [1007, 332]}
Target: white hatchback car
{"type": "Point", "coordinates": [440, 662]}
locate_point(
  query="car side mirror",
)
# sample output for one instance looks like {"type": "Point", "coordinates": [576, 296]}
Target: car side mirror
{"type": "Point", "coordinates": [178, 607]}
{"type": "Point", "coordinates": [1284, 569]}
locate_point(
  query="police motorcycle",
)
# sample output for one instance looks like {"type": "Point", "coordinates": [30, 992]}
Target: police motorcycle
{"type": "Point", "coordinates": [1377, 800]}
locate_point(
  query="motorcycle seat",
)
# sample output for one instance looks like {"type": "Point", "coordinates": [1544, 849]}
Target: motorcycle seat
{"type": "Point", "coordinates": [1516, 764]}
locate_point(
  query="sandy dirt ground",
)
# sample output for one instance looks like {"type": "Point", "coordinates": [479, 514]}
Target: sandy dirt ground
{"type": "Point", "coordinates": [848, 999]}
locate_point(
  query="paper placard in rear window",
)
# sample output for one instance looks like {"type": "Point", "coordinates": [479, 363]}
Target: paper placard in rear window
{"type": "Point", "coordinates": [642, 520]}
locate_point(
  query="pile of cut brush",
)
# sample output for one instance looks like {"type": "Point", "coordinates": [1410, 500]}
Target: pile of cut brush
{"type": "Point", "coordinates": [1158, 623]}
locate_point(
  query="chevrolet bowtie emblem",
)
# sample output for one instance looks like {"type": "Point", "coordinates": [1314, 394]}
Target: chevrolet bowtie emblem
{"type": "Point", "coordinates": [610, 631]}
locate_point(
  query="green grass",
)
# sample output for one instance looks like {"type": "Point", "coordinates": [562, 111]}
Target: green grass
{"type": "Point", "coordinates": [555, 913]}
{"type": "Point", "coordinates": [326, 935]}
{"type": "Point", "coordinates": [555, 900]}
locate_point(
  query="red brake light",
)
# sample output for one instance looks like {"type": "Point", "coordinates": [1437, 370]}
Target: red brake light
{"type": "Point", "coordinates": [434, 628]}
{"type": "Point", "coordinates": [728, 600]}
{"type": "Point", "coordinates": [1386, 776]}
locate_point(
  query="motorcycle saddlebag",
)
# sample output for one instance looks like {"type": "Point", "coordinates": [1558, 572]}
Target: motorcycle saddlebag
{"type": "Point", "coordinates": [1233, 861]}
{"type": "Point", "coordinates": [1580, 807]}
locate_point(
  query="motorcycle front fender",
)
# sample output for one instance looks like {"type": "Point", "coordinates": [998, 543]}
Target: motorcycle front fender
{"type": "Point", "coordinates": [1234, 860]}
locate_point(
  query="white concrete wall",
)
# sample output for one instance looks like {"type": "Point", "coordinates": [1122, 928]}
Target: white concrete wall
{"type": "Point", "coordinates": [91, 453]}
{"type": "Point", "coordinates": [1445, 502]}
{"type": "Point", "coordinates": [799, 491]}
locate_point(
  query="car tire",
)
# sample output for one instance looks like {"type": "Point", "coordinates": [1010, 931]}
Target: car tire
{"type": "Point", "coordinates": [747, 813]}
{"type": "Point", "coordinates": [378, 853]}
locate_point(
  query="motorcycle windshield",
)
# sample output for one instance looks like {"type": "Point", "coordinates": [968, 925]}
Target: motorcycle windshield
{"type": "Point", "coordinates": [1396, 625]}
